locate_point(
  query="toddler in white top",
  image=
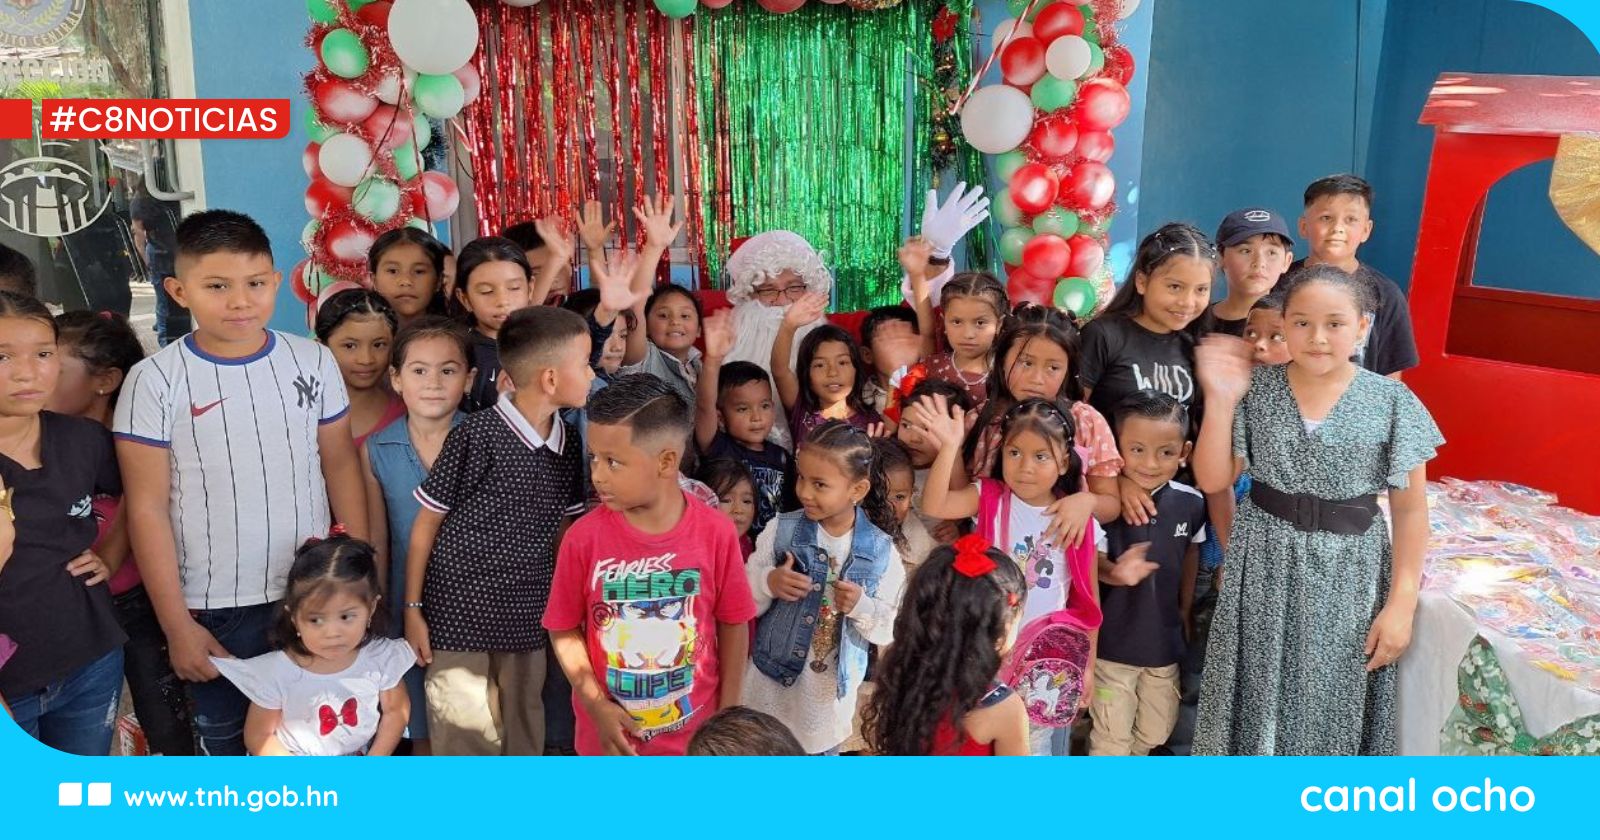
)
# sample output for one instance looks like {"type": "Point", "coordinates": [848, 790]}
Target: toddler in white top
{"type": "Point", "coordinates": [333, 686]}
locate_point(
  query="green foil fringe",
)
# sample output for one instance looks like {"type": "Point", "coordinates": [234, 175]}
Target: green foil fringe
{"type": "Point", "coordinates": [803, 127]}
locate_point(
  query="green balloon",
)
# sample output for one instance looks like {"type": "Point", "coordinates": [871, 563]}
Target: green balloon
{"type": "Point", "coordinates": [316, 129]}
{"type": "Point", "coordinates": [407, 163]}
{"type": "Point", "coordinates": [1005, 210]}
{"type": "Point", "coordinates": [1053, 94]}
{"type": "Point", "coordinates": [1097, 59]}
{"type": "Point", "coordinates": [419, 223]}
{"type": "Point", "coordinates": [1056, 221]}
{"type": "Point", "coordinates": [1095, 229]}
{"type": "Point", "coordinates": [378, 199]}
{"type": "Point", "coordinates": [1075, 295]}
{"type": "Point", "coordinates": [422, 132]}
{"type": "Point", "coordinates": [440, 96]}
{"type": "Point", "coordinates": [321, 11]}
{"type": "Point", "coordinates": [1016, 7]}
{"type": "Point", "coordinates": [1007, 164]}
{"type": "Point", "coordinates": [308, 233]}
{"type": "Point", "coordinates": [344, 54]}
{"type": "Point", "coordinates": [1011, 243]}
{"type": "Point", "coordinates": [676, 9]}
{"type": "Point", "coordinates": [355, 5]}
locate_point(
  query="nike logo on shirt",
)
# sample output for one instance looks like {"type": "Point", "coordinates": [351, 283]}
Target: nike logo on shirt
{"type": "Point", "coordinates": [197, 410]}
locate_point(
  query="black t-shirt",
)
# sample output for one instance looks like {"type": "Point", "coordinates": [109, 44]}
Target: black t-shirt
{"type": "Point", "coordinates": [770, 467]}
{"type": "Point", "coordinates": [1391, 347]}
{"type": "Point", "coordinates": [1226, 326]}
{"type": "Point", "coordinates": [1142, 626]}
{"type": "Point", "coordinates": [1120, 358]}
{"type": "Point", "coordinates": [484, 391]}
{"type": "Point", "coordinates": [59, 624]}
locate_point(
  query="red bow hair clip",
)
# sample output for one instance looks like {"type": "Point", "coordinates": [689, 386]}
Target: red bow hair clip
{"type": "Point", "coordinates": [907, 382]}
{"type": "Point", "coordinates": [972, 556]}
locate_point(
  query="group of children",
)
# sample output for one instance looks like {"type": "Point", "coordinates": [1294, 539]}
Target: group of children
{"type": "Point", "coordinates": [484, 513]}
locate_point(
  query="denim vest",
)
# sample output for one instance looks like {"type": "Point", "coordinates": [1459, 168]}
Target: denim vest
{"type": "Point", "coordinates": [399, 472]}
{"type": "Point", "coordinates": [783, 634]}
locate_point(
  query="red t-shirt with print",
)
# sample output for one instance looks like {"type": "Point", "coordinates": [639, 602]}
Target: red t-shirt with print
{"type": "Point", "coordinates": [649, 606]}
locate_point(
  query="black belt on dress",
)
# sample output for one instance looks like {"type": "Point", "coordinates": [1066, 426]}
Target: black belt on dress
{"type": "Point", "coordinates": [1310, 513]}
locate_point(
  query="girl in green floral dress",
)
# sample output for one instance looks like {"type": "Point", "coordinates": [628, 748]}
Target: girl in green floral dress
{"type": "Point", "coordinates": [1317, 604]}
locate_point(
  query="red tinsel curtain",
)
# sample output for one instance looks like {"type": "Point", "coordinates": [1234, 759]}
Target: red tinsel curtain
{"type": "Point", "coordinates": [582, 100]}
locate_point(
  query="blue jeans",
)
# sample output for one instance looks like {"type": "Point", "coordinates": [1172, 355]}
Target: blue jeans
{"type": "Point", "coordinates": [78, 713]}
{"type": "Point", "coordinates": [172, 320]}
{"type": "Point", "coordinates": [219, 708]}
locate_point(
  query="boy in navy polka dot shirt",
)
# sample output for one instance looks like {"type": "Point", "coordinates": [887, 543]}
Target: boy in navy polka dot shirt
{"type": "Point", "coordinates": [482, 551]}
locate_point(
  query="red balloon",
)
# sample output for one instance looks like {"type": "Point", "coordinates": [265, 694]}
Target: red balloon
{"type": "Point", "coordinates": [715, 4]}
{"type": "Point", "coordinates": [779, 7]}
{"type": "Point", "coordinates": [1119, 64]}
{"type": "Point", "coordinates": [1087, 256]}
{"type": "Point", "coordinates": [1057, 19]}
{"type": "Point", "coordinates": [324, 196]}
{"type": "Point", "coordinates": [1022, 287]}
{"type": "Point", "coordinates": [440, 195]}
{"type": "Point", "coordinates": [1034, 188]}
{"type": "Point", "coordinates": [389, 127]}
{"type": "Point", "coordinates": [1046, 256]}
{"type": "Point", "coordinates": [376, 14]}
{"type": "Point", "coordinates": [297, 281]}
{"type": "Point", "coordinates": [349, 241]}
{"type": "Point", "coordinates": [1054, 137]}
{"type": "Point", "coordinates": [1089, 186]}
{"type": "Point", "coordinates": [1097, 146]}
{"type": "Point", "coordinates": [339, 101]}
{"type": "Point", "coordinates": [1022, 61]}
{"type": "Point", "coordinates": [1102, 104]}
{"type": "Point", "coordinates": [308, 159]}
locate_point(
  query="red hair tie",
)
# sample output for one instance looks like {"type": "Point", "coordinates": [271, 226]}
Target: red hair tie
{"type": "Point", "coordinates": [972, 556]}
{"type": "Point", "coordinates": [106, 315]}
{"type": "Point", "coordinates": [338, 530]}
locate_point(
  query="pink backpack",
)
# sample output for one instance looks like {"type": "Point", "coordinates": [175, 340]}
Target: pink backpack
{"type": "Point", "coordinates": [1050, 660]}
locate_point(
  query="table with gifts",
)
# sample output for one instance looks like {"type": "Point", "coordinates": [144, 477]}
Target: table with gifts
{"type": "Point", "coordinates": [1505, 652]}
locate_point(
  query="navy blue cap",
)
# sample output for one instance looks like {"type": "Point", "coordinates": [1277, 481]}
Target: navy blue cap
{"type": "Point", "coordinates": [1251, 221]}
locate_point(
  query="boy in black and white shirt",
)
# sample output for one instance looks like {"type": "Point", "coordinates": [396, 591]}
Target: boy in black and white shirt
{"type": "Point", "coordinates": [234, 444]}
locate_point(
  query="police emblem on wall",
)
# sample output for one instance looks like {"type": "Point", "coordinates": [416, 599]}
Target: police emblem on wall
{"type": "Point", "coordinates": [45, 196]}
{"type": "Point", "coordinates": [38, 23]}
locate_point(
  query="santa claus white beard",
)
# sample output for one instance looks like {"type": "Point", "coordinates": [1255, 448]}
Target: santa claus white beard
{"type": "Point", "coordinates": [755, 330]}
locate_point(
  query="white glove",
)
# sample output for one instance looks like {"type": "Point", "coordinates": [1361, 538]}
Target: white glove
{"type": "Point", "coordinates": [944, 226]}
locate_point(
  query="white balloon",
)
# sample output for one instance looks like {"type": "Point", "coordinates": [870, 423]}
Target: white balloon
{"type": "Point", "coordinates": [1067, 57]}
{"type": "Point", "coordinates": [388, 89]}
{"type": "Point", "coordinates": [433, 36]}
{"type": "Point", "coordinates": [996, 119]}
{"type": "Point", "coordinates": [1024, 30]}
{"type": "Point", "coordinates": [344, 159]}
{"type": "Point", "coordinates": [1127, 8]}
{"type": "Point", "coordinates": [422, 132]}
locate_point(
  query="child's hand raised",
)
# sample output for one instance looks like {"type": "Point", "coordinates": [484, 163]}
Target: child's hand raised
{"type": "Point", "coordinates": [592, 227]}
{"type": "Point", "coordinates": [880, 430]}
{"type": "Point", "coordinates": [655, 216]}
{"type": "Point", "coordinates": [1222, 364]}
{"type": "Point", "coordinates": [718, 331]}
{"type": "Point", "coordinates": [845, 596]}
{"type": "Point", "coordinates": [938, 419]}
{"type": "Point", "coordinates": [557, 240]}
{"type": "Point", "coordinates": [808, 308]}
{"type": "Point", "coordinates": [614, 280]}
{"type": "Point", "coordinates": [614, 725]}
{"type": "Point", "coordinates": [914, 256]}
{"type": "Point", "coordinates": [1132, 567]}
{"type": "Point", "coordinates": [786, 583]}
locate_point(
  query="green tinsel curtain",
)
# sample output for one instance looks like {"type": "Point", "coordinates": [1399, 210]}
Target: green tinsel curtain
{"type": "Point", "coordinates": [803, 126]}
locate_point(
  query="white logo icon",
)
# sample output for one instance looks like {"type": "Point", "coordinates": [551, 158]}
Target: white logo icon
{"type": "Point", "coordinates": [1256, 215]}
{"type": "Point", "coordinates": [1183, 530]}
{"type": "Point", "coordinates": [70, 794]}
{"type": "Point", "coordinates": [45, 196]}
